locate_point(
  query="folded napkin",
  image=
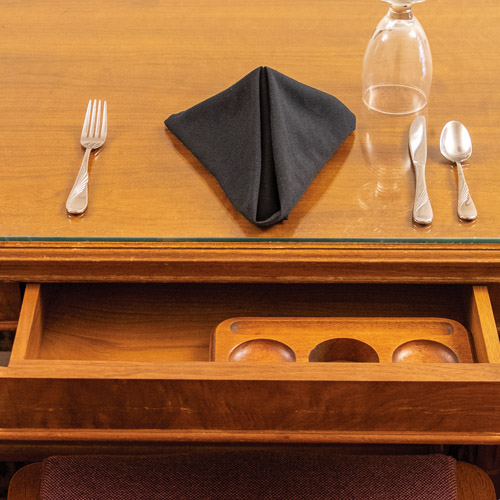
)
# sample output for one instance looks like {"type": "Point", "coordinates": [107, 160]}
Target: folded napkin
{"type": "Point", "coordinates": [264, 138]}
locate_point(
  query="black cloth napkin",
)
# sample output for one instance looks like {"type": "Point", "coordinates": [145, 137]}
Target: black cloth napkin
{"type": "Point", "coordinates": [264, 138]}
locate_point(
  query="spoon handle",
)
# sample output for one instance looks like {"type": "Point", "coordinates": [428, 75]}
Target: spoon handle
{"type": "Point", "coordinates": [466, 208]}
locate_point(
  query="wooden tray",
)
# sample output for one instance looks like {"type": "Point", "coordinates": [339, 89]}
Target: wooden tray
{"type": "Point", "coordinates": [384, 340]}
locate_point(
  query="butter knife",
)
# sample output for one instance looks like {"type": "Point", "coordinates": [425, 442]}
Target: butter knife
{"type": "Point", "coordinates": [422, 210]}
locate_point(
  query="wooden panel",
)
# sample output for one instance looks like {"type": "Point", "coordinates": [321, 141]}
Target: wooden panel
{"type": "Point", "coordinates": [488, 459]}
{"type": "Point", "coordinates": [33, 451]}
{"type": "Point", "coordinates": [243, 262]}
{"type": "Point", "coordinates": [10, 305]}
{"type": "Point", "coordinates": [145, 183]}
{"type": "Point", "coordinates": [354, 410]}
{"type": "Point", "coordinates": [31, 324]}
{"type": "Point", "coordinates": [483, 327]}
{"type": "Point", "coordinates": [472, 482]}
{"type": "Point", "coordinates": [25, 484]}
{"type": "Point", "coordinates": [494, 293]}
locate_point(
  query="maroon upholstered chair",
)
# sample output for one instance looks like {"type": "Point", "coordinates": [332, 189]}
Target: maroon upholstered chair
{"type": "Point", "coordinates": [244, 474]}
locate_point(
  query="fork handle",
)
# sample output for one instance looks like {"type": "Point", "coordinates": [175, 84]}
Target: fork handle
{"type": "Point", "coordinates": [78, 198]}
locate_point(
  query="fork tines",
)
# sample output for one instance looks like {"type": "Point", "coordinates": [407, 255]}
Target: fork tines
{"type": "Point", "coordinates": [93, 120]}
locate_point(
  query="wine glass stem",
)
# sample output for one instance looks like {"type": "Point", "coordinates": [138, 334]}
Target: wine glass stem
{"type": "Point", "coordinates": [400, 12]}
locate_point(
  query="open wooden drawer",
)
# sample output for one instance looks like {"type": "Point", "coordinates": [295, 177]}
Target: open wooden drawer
{"type": "Point", "coordinates": [131, 362]}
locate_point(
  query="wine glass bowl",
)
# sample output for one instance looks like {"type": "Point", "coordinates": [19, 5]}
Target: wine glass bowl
{"type": "Point", "coordinates": [397, 66]}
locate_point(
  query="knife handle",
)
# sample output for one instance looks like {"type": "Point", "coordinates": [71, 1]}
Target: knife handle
{"type": "Point", "coordinates": [466, 208]}
{"type": "Point", "coordinates": [422, 210]}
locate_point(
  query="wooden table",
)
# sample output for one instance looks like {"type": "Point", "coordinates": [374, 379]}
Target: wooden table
{"type": "Point", "coordinates": [113, 345]}
{"type": "Point", "coordinates": [152, 200]}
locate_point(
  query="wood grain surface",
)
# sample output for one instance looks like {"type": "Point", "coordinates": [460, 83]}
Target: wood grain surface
{"type": "Point", "coordinates": [150, 59]}
{"type": "Point", "coordinates": [10, 303]}
{"type": "Point", "coordinates": [25, 484]}
{"type": "Point", "coordinates": [125, 362]}
{"type": "Point", "coordinates": [322, 408]}
{"type": "Point", "coordinates": [249, 262]}
{"type": "Point", "coordinates": [341, 339]}
{"type": "Point", "coordinates": [173, 322]}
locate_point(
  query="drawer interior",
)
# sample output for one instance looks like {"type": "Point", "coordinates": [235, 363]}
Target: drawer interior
{"type": "Point", "coordinates": [174, 322]}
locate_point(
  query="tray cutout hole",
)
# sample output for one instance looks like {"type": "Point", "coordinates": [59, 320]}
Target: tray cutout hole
{"type": "Point", "coordinates": [424, 351]}
{"type": "Point", "coordinates": [343, 350]}
{"type": "Point", "coordinates": [262, 350]}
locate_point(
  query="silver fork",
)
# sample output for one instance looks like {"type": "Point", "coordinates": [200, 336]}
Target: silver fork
{"type": "Point", "coordinates": [91, 138]}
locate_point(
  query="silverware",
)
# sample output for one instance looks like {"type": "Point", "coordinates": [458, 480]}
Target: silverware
{"type": "Point", "coordinates": [94, 131]}
{"type": "Point", "coordinates": [422, 210]}
{"type": "Point", "coordinates": [456, 146]}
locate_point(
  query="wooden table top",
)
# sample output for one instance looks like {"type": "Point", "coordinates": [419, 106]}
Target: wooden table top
{"type": "Point", "coordinates": [149, 59]}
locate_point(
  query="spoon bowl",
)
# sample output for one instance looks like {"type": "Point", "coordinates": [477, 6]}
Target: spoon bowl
{"type": "Point", "coordinates": [455, 142]}
{"type": "Point", "coordinates": [456, 146]}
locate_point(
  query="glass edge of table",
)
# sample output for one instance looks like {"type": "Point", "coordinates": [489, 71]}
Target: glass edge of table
{"type": "Point", "coordinates": [159, 239]}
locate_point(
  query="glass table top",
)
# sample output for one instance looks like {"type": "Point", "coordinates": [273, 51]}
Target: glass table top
{"type": "Point", "coordinates": [145, 185]}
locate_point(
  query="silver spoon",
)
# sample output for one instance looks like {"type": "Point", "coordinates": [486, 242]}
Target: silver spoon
{"type": "Point", "coordinates": [456, 146]}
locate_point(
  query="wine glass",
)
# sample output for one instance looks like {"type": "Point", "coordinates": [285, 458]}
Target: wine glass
{"type": "Point", "coordinates": [397, 66]}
